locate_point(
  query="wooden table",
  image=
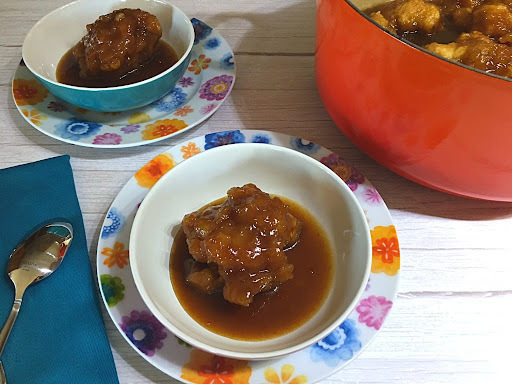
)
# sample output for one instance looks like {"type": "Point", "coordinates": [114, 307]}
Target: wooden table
{"type": "Point", "coordinates": [452, 320]}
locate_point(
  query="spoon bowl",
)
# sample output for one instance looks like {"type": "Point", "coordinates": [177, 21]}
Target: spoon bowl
{"type": "Point", "coordinates": [40, 254]}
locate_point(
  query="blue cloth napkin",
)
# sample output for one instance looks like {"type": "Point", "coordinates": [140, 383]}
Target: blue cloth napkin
{"type": "Point", "coordinates": [59, 336]}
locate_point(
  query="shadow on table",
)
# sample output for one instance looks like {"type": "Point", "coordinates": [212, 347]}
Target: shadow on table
{"type": "Point", "coordinates": [404, 195]}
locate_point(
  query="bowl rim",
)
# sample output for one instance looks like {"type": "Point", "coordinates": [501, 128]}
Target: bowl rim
{"type": "Point", "coordinates": [95, 89]}
{"type": "Point", "coordinates": [402, 40]}
{"type": "Point", "coordinates": [253, 355]}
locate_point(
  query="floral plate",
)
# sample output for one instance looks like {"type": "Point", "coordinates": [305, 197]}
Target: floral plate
{"type": "Point", "coordinates": [198, 94]}
{"type": "Point", "coordinates": [181, 361]}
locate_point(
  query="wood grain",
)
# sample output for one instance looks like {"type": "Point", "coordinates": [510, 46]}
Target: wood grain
{"type": "Point", "coordinates": [451, 321]}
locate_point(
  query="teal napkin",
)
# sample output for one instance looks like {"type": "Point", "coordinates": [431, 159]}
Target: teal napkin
{"type": "Point", "coordinates": [59, 337]}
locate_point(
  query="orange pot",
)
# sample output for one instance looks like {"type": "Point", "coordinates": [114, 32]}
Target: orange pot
{"type": "Point", "coordinates": [440, 124]}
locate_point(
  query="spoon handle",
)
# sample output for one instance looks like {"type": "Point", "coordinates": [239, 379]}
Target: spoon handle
{"type": "Point", "coordinates": [6, 330]}
{"type": "Point", "coordinates": [3, 379]}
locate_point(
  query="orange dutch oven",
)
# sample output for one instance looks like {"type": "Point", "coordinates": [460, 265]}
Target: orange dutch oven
{"type": "Point", "coordinates": [441, 124]}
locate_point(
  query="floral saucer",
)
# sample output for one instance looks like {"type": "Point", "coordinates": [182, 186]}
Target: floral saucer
{"type": "Point", "coordinates": [198, 94]}
{"type": "Point", "coordinates": [181, 361]}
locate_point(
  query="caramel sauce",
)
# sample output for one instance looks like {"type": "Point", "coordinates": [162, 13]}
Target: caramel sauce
{"type": "Point", "coordinates": [163, 58]}
{"type": "Point", "coordinates": [273, 313]}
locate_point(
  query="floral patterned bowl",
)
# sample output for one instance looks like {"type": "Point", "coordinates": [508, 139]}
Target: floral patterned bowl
{"type": "Point", "coordinates": [61, 29]}
{"type": "Point", "coordinates": [282, 171]}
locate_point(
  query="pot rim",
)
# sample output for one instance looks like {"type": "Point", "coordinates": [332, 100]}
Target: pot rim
{"type": "Point", "coordinates": [402, 40]}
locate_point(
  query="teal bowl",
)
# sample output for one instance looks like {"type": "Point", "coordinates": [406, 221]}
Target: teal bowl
{"type": "Point", "coordinates": [61, 29]}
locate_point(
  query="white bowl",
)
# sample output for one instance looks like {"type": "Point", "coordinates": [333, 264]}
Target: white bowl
{"type": "Point", "coordinates": [276, 170]}
{"type": "Point", "coordinates": [60, 30]}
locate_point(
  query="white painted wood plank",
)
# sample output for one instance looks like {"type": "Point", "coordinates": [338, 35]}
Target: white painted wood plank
{"type": "Point", "coordinates": [244, 23]}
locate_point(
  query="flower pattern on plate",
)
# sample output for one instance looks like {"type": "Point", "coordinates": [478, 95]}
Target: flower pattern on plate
{"type": "Point", "coordinates": [218, 139]}
{"type": "Point", "coordinates": [108, 139]}
{"type": "Point", "coordinates": [76, 129]}
{"type": "Point", "coordinates": [340, 345]}
{"type": "Point", "coordinates": [174, 99]}
{"type": "Point", "coordinates": [117, 221]}
{"type": "Point", "coordinates": [216, 88]}
{"type": "Point", "coordinates": [132, 128]}
{"type": "Point", "coordinates": [304, 146]}
{"type": "Point", "coordinates": [138, 118]}
{"type": "Point", "coordinates": [373, 310]}
{"type": "Point", "coordinates": [197, 65]}
{"type": "Point", "coordinates": [350, 175]}
{"type": "Point", "coordinates": [28, 92]}
{"type": "Point", "coordinates": [205, 368]}
{"type": "Point", "coordinates": [264, 139]}
{"type": "Point", "coordinates": [227, 61]}
{"type": "Point", "coordinates": [371, 196]}
{"type": "Point", "coordinates": [34, 115]}
{"type": "Point", "coordinates": [112, 288]}
{"type": "Point", "coordinates": [286, 376]}
{"type": "Point", "coordinates": [385, 250]}
{"type": "Point", "coordinates": [212, 44]}
{"type": "Point", "coordinates": [208, 108]}
{"type": "Point", "coordinates": [190, 150]}
{"type": "Point", "coordinates": [144, 331]}
{"type": "Point", "coordinates": [183, 111]}
{"type": "Point", "coordinates": [181, 342]}
{"type": "Point", "coordinates": [186, 82]}
{"type": "Point", "coordinates": [161, 128]}
{"type": "Point", "coordinates": [150, 173]}
{"type": "Point", "coordinates": [116, 256]}
{"type": "Point", "coordinates": [55, 106]}
{"type": "Point", "coordinates": [201, 30]}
